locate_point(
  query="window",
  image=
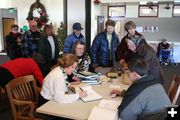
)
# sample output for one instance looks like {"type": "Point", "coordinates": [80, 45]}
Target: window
{"type": "Point", "coordinates": [148, 10]}
{"type": "Point", "coordinates": [176, 11]}
{"type": "Point", "coordinates": [116, 12]}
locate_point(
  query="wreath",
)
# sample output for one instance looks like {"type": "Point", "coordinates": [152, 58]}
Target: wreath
{"type": "Point", "coordinates": [38, 13]}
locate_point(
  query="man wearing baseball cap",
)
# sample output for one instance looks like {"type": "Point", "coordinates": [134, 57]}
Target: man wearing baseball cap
{"type": "Point", "coordinates": [72, 38]}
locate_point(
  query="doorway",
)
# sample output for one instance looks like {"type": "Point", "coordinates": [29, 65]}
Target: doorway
{"type": "Point", "coordinates": [6, 23]}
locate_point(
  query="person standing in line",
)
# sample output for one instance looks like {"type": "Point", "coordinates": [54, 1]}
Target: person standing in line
{"type": "Point", "coordinates": [30, 39]}
{"type": "Point", "coordinates": [13, 43]}
{"type": "Point", "coordinates": [48, 48]}
{"type": "Point", "coordinates": [134, 44]}
{"type": "Point", "coordinates": [72, 38]}
{"type": "Point", "coordinates": [104, 46]}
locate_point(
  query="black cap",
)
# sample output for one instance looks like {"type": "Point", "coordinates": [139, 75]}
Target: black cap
{"type": "Point", "coordinates": [77, 26]}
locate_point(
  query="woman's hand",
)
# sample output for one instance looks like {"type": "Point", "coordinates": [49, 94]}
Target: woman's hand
{"type": "Point", "coordinates": [82, 94]}
{"type": "Point", "coordinates": [75, 83]}
{"type": "Point", "coordinates": [75, 78]}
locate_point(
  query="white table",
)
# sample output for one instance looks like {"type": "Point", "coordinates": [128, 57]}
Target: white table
{"type": "Point", "coordinates": [77, 110]}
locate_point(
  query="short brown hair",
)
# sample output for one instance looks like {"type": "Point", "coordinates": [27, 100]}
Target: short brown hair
{"type": "Point", "coordinates": [129, 25]}
{"type": "Point", "coordinates": [67, 60]}
{"type": "Point", "coordinates": [110, 23]}
{"type": "Point", "coordinates": [75, 45]}
{"type": "Point", "coordinates": [47, 27]}
{"type": "Point", "coordinates": [14, 26]}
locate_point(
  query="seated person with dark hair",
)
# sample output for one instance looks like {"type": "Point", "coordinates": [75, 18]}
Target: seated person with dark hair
{"type": "Point", "coordinates": [146, 96]}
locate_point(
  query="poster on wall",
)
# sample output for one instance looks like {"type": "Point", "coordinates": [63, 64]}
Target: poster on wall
{"type": "Point", "coordinates": [139, 29]}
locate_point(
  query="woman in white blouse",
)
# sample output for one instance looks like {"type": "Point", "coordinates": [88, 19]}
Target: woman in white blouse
{"type": "Point", "coordinates": [55, 83]}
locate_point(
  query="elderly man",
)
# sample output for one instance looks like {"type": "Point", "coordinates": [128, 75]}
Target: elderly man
{"type": "Point", "coordinates": [30, 39]}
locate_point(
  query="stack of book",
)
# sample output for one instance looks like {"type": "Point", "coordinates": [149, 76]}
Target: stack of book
{"type": "Point", "coordinates": [88, 77]}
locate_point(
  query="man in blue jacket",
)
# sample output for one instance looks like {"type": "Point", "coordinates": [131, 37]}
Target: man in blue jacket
{"type": "Point", "coordinates": [104, 47]}
{"type": "Point", "coordinates": [72, 38]}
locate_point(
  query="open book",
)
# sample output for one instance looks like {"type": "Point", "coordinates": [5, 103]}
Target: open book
{"type": "Point", "coordinates": [106, 110]}
{"type": "Point", "coordinates": [91, 94]}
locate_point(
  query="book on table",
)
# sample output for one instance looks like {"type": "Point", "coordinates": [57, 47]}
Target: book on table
{"type": "Point", "coordinates": [92, 95]}
{"type": "Point", "coordinates": [91, 81]}
{"type": "Point", "coordinates": [87, 74]}
{"type": "Point", "coordinates": [106, 110]}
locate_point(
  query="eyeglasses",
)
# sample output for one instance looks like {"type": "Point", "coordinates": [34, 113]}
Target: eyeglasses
{"type": "Point", "coordinates": [15, 29]}
{"type": "Point", "coordinates": [80, 48]}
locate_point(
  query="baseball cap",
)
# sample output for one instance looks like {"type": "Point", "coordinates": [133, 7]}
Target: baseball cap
{"type": "Point", "coordinates": [77, 26]}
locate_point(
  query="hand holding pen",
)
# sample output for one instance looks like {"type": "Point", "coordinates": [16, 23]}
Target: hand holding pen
{"type": "Point", "coordinates": [82, 93]}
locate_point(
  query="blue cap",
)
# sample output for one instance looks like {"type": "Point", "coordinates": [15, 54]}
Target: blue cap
{"type": "Point", "coordinates": [77, 26]}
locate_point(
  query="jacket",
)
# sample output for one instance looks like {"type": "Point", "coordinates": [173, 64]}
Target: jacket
{"type": "Point", "coordinates": [144, 51]}
{"type": "Point", "coordinates": [144, 97]}
{"type": "Point", "coordinates": [30, 41]}
{"type": "Point", "coordinates": [70, 40]}
{"type": "Point", "coordinates": [44, 48]}
{"type": "Point", "coordinates": [100, 49]}
{"type": "Point", "coordinates": [13, 49]}
{"type": "Point", "coordinates": [24, 66]}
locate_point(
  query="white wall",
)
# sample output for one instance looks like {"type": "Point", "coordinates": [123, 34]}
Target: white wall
{"type": "Point", "coordinates": [131, 11]}
{"type": "Point", "coordinates": [109, 1]}
{"type": "Point", "coordinates": [54, 9]}
{"type": "Point", "coordinates": [75, 13]}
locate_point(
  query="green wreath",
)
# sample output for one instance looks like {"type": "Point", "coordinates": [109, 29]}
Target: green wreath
{"type": "Point", "coordinates": [38, 13]}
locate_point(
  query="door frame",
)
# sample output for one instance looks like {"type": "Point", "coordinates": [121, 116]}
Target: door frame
{"type": "Point", "coordinates": [4, 37]}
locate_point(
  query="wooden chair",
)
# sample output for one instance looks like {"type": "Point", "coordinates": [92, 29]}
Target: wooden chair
{"type": "Point", "coordinates": [23, 97]}
{"type": "Point", "coordinates": [174, 89]}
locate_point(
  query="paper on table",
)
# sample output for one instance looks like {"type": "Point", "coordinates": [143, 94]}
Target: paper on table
{"type": "Point", "coordinates": [109, 104]}
{"type": "Point", "coordinates": [91, 94]}
{"type": "Point", "coordinates": [99, 113]}
{"type": "Point", "coordinates": [115, 87]}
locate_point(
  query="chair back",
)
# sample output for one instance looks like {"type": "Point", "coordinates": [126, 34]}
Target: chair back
{"type": "Point", "coordinates": [22, 96]}
{"type": "Point", "coordinates": [174, 89]}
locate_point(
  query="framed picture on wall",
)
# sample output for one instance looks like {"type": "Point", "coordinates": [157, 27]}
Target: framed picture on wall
{"type": "Point", "coordinates": [176, 10]}
{"type": "Point", "coordinates": [100, 24]}
{"type": "Point", "coordinates": [148, 11]}
{"type": "Point", "coordinates": [116, 12]}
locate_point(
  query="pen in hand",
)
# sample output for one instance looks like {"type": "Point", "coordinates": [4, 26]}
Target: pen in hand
{"type": "Point", "coordinates": [82, 93]}
{"type": "Point", "coordinates": [81, 89]}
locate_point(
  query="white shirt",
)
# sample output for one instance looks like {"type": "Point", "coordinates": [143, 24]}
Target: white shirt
{"type": "Point", "coordinates": [109, 38]}
{"type": "Point", "coordinates": [54, 87]}
{"type": "Point", "coordinates": [51, 41]}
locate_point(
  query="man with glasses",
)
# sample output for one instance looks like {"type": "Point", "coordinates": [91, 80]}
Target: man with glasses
{"type": "Point", "coordinates": [30, 39]}
{"type": "Point", "coordinates": [145, 98]}
{"type": "Point", "coordinates": [13, 43]}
